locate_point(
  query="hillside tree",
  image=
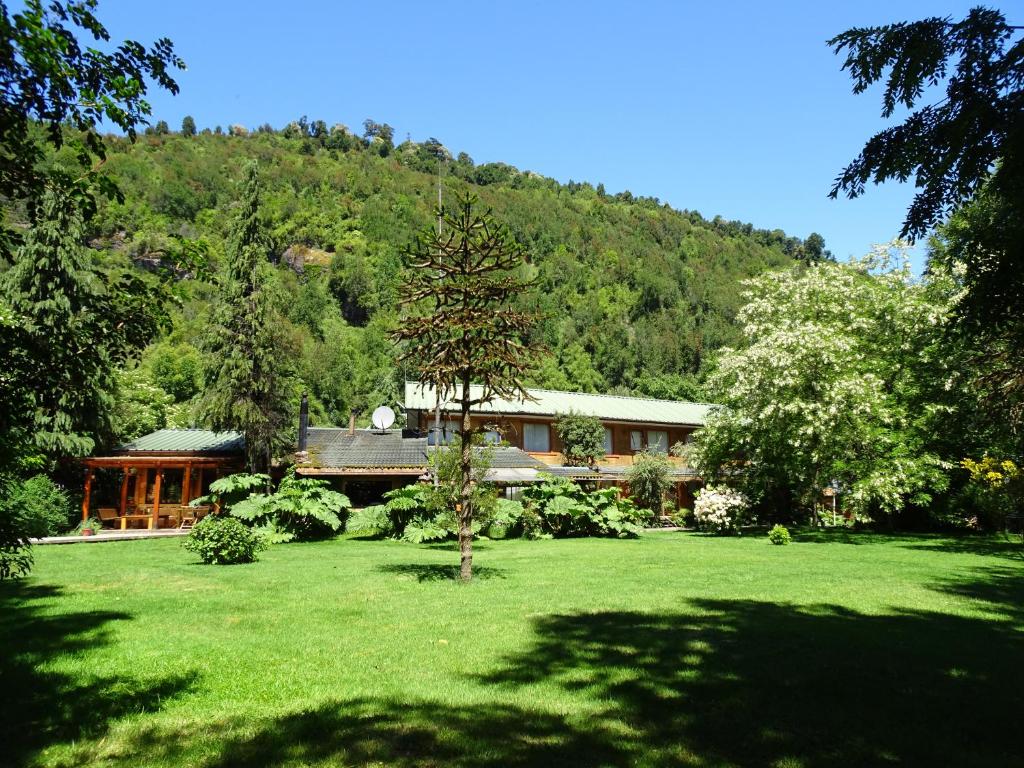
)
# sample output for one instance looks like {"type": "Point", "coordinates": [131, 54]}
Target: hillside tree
{"type": "Point", "coordinates": [248, 370]}
{"type": "Point", "coordinates": [56, 83]}
{"type": "Point", "coordinates": [460, 327]}
{"type": "Point", "coordinates": [188, 126]}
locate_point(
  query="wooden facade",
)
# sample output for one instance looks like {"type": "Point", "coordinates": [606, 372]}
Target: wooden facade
{"type": "Point", "coordinates": [150, 491]}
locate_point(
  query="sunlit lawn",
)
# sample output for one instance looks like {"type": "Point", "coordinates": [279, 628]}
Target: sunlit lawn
{"type": "Point", "coordinates": [675, 649]}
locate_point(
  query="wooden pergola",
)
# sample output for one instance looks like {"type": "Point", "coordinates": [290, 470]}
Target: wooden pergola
{"type": "Point", "coordinates": [149, 472]}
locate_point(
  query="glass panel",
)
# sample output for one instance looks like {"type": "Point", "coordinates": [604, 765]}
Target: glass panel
{"type": "Point", "coordinates": [450, 428]}
{"type": "Point", "coordinates": [657, 441]}
{"type": "Point", "coordinates": [636, 440]}
{"type": "Point", "coordinates": [492, 437]}
{"type": "Point", "coordinates": [608, 445]}
{"type": "Point", "coordinates": [536, 438]}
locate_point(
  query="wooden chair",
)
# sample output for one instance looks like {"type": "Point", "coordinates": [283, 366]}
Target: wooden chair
{"type": "Point", "coordinates": [186, 517]}
{"type": "Point", "coordinates": [108, 515]}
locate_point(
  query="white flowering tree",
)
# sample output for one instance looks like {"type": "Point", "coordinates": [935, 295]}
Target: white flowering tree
{"type": "Point", "coordinates": [719, 509]}
{"type": "Point", "coordinates": [836, 382]}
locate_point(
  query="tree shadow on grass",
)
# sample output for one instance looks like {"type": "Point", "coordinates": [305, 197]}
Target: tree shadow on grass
{"type": "Point", "coordinates": [40, 707]}
{"type": "Point", "coordinates": [719, 682]}
{"type": "Point", "coordinates": [754, 683]}
{"type": "Point", "coordinates": [988, 545]}
{"type": "Point", "coordinates": [436, 572]}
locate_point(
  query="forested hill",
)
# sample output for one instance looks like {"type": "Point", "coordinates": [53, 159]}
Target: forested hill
{"type": "Point", "coordinates": [634, 294]}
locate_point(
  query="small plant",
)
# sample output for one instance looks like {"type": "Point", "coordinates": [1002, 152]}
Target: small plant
{"type": "Point", "coordinates": [779, 535]}
{"type": "Point", "coordinates": [88, 527]}
{"type": "Point", "coordinates": [683, 517]}
{"type": "Point", "coordinates": [224, 540]}
{"type": "Point", "coordinates": [718, 509]}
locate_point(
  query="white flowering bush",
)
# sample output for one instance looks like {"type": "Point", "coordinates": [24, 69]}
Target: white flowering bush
{"type": "Point", "coordinates": [719, 509]}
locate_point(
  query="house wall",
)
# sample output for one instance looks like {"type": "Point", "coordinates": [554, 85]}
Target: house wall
{"type": "Point", "coordinates": [511, 429]}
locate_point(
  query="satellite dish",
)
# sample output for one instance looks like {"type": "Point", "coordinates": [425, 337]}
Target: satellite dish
{"type": "Point", "coordinates": [383, 418]}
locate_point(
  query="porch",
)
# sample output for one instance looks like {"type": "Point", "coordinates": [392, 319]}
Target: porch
{"type": "Point", "coordinates": [149, 492]}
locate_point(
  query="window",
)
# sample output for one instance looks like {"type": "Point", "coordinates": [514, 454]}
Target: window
{"type": "Point", "coordinates": [492, 437]}
{"type": "Point", "coordinates": [450, 427]}
{"type": "Point", "coordinates": [636, 440]}
{"type": "Point", "coordinates": [609, 446]}
{"type": "Point", "coordinates": [536, 438]}
{"type": "Point", "coordinates": [657, 441]}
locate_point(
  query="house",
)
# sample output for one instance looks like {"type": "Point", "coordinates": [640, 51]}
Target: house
{"type": "Point", "coordinates": [149, 481]}
{"type": "Point", "coordinates": [365, 463]}
{"type": "Point", "coordinates": [631, 425]}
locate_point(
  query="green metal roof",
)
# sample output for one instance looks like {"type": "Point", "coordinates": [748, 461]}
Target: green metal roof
{"type": "Point", "coordinates": [548, 402]}
{"type": "Point", "coordinates": [186, 441]}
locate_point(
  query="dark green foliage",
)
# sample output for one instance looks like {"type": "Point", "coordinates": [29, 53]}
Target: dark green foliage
{"type": "Point", "coordinates": [70, 325]}
{"type": "Point", "coordinates": [224, 540]}
{"type": "Point", "coordinates": [582, 438]}
{"type": "Point", "coordinates": [53, 83]}
{"type": "Point", "coordinates": [779, 535]}
{"type": "Point", "coordinates": [188, 126]}
{"type": "Point", "coordinates": [43, 507]}
{"type": "Point", "coordinates": [949, 147]}
{"type": "Point", "coordinates": [247, 363]}
{"type": "Point", "coordinates": [302, 509]}
{"type": "Point", "coordinates": [649, 481]}
{"type": "Point", "coordinates": [632, 296]}
{"type": "Point", "coordinates": [559, 507]}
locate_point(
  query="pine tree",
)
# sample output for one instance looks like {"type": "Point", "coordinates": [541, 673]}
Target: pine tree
{"type": "Point", "coordinates": [56, 387]}
{"type": "Point", "coordinates": [247, 364]}
{"type": "Point", "coordinates": [463, 330]}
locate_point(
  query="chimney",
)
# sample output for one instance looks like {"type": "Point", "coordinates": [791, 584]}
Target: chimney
{"type": "Point", "coordinates": [352, 423]}
{"type": "Point", "coordinates": [303, 422]}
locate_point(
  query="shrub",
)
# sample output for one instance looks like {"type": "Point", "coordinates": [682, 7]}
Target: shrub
{"type": "Point", "coordinates": [43, 507]}
{"type": "Point", "coordinates": [718, 509]}
{"type": "Point", "coordinates": [223, 540]}
{"type": "Point", "coordinates": [559, 507]}
{"type": "Point", "coordinates": [779, 535]}
{"type": "Point", "coordinates": [682, 517]}
{"type": "Point", "coordinates": [582, 438]}
{"type": "Point", "coordinates": [649, 481]}
{"type": "Point", "coordinates": [302, 508]}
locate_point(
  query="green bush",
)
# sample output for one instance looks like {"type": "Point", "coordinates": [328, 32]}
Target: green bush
{"type": "Point", "coordinates": [302, 508]}
{"type": "Point", "coordinates": [682, 517]}
{"type": "Point", "coordinates": [224, 540]}
{"type": "Point", "coordinates": [559, 507]}
{"type": "Point", "coordinates": [42, 506]}
{"type": "Point", "coordinates": [582, 438]}
{"type": "Point", "coordinates": [649, 480]}
{"type": "Point", "coordinates": [779, 535]}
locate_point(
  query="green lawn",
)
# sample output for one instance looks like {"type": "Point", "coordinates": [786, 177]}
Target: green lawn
{"type": "Point", "coordinates": [675, 649]}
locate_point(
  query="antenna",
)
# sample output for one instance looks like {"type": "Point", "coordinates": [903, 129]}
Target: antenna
{"type": "Point", "coordinates": [383, 418]}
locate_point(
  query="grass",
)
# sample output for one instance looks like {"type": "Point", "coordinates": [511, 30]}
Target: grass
{"type": "Point", "coordinates": [671, 650]}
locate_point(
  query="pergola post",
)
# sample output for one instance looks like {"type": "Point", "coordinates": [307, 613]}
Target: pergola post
{"type": "Point", "coordinates": [154, 522]}
{"type": "Point", "coordinates": [124, 492]}
{"type": "Point", "coordinates": [186, 486]}
{"type": "Point", "coordinates": [87, 493]}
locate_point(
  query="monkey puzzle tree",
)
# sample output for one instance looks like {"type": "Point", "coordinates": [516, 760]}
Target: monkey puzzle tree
{"type": "Point", "coordinates": [461, 328]}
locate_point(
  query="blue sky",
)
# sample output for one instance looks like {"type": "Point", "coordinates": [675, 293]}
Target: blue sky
{"type": "Point", "coordinates": [737, 109]}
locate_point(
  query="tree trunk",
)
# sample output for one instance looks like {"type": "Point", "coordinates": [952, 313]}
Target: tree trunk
{"type": "Point", "coordinates": [466, 494]}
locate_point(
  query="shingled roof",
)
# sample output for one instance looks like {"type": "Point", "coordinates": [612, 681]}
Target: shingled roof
{"type": "Point", "coordinates": [332, 447]}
